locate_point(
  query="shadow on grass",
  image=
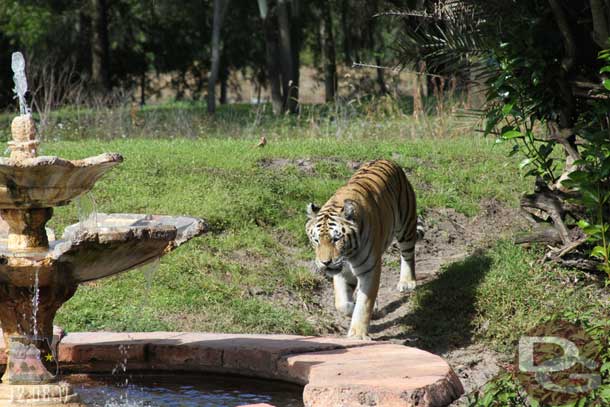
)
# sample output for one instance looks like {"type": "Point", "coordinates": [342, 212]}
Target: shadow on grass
{"type": "Point", "coordinates": [442, 315]}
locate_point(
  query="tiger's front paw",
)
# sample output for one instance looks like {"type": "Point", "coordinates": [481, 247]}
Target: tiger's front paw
{"type": "Point", "coordinates": [359, 336]}
{"type": "Point", "coordinates": [406, 286]}
{"type": "Point", "coordinates": [358, 333]}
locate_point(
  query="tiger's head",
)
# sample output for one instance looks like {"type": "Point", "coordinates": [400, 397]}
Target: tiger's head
{"type": "Point", "coordinates": [333, 233]}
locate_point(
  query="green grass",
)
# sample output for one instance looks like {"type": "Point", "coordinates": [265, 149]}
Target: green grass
{"type": "Point", "coordinates": [372, 117]}
{"type": "Point", "coordinates": [237, 277]}
{"type": "Point", "coordinates": [250, 272]}
{"type": "Point", "coordinates": [496, 296]}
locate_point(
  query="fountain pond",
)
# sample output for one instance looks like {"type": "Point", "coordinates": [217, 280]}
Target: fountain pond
{"type": "Point", "coordinates": [183, 391]}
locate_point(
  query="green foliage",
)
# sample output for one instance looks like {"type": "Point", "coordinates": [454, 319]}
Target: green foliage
{"type": "Point", "coordinates": [514, 110]}
{"type": "Point", "coordinates": [24, 23]}
{"type": "Point", "coordinates": [528, 54]}
{"type": "Point", "coordinates": [505, 390]}
{"type": "Point", "coordinates": [522, 71]}
{"type": "Point", "coordinates": [519, 103]}
{"type": "Point", "coordinates": [592, 178]}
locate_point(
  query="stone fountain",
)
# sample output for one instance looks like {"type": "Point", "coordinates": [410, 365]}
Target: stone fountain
{"type": "Point", "coordinates": [38, 273]}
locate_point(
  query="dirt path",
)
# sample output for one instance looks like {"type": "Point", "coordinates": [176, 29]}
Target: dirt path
{"type": "Point", "coordinates": [450, 237]}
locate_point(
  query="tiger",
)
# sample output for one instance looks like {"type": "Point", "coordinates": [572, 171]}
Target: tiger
{"type": "Point", "coordinates": [352, 230]}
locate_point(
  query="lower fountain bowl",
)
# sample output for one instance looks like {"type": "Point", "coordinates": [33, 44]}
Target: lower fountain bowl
{"type": "Point", "coordinates": [106, 245]}
{"type": "Point", "coordinates": [333, 371]}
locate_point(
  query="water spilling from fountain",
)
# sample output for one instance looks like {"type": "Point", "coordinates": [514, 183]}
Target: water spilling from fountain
{"type": "Point", "coordinates": [87, 211]}
{"type": "Point", "coordinates": [35, 304]}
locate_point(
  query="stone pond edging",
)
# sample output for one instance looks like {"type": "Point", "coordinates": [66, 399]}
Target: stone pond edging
{"type": "Point", "coordinates": [336, 372]}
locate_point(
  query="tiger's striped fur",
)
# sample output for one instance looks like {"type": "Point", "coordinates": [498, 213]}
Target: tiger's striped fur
{"type": "Point", "coordinates": [353, 229]}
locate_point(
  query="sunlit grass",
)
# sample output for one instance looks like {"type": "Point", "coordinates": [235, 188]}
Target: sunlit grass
{"type": "Point", "coordinates": [239, 276]}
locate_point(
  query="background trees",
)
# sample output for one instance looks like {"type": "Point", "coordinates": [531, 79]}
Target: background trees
{"type": "Point", "coordinates": [121, 44]}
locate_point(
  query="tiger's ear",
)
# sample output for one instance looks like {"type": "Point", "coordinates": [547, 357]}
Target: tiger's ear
{"type": "Point", "coordinates": [349, 209]}
{"type": "Point", "coordinates": [312, 209]}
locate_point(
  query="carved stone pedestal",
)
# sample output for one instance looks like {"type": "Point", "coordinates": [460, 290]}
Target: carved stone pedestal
{"type": "Point", "coordinates": [26, 316]}
{"type": "Point", "coordinates": [48, 395]}
{"type": "Point", "coordinates": [27, 230]}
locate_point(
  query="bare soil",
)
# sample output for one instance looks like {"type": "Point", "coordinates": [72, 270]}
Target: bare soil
{"type": "Point", "coordinates": [306, 165]}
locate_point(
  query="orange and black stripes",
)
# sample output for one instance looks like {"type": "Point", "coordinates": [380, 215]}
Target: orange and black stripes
{"type": "Point", "coordinates": [385, 209]}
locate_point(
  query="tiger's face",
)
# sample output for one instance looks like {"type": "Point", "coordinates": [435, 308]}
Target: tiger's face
{"type": "Point", "coordinates": [333, 234]}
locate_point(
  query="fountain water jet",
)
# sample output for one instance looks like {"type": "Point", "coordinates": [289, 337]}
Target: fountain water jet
{"type": "Point", "coordinates": [39, 274]}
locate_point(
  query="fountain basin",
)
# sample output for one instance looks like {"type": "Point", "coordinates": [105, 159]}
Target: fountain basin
{"type": "Point", "coordinates": [184, 390]}
{"type": "Point", "coordinates": [45, 182]}
{"type": "Point", "coordinates": [116, 243]}
{"type": "Point", "coordinates": [333, 371]}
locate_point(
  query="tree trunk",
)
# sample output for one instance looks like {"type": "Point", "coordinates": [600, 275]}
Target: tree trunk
{"type": "Point", "coordinates": [328, 52]}
{"type": "Point", "coordinates": [286, 62]}
{"type": "Point", "coordinates": [600, 23]}
{"type": "Point", "coordinates": [224, 82]}
{"type": "Point", "coordinates": [422, 80]}
{"type": "Point", "coordinates": [220, 8]}
{"type": "Point", "coordinates": [566, 117]}
{"type": "Point", "coordinates": [383, 89]}
{"type": "Point", "coordinates": [273, 69]}
{"type": "Point", "coordinates": [374, 45]}
{"type": "Point", "coordinates": [100, 53]}
{"type": "Point", "coordinates": [347, 45]}
{"type": "Point", "coordinates": [143, 88]}
{"type": "Point", "coordinates": [296, 38]}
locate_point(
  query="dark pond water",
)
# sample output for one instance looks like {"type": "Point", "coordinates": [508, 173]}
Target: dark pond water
{"type": "Point", "coordinates": [183, 391]}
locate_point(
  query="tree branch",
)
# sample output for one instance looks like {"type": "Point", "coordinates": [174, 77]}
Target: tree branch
{"type": "Point", "coordinates": [564, 26]}
{"type": "Point", "coordinates": [600, 23]}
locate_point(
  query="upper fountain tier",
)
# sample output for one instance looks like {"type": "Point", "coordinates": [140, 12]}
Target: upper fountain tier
{"type": "Point", "coordinates": [28, 181]}
{"type": "Point", "coordinates": [46, 182]}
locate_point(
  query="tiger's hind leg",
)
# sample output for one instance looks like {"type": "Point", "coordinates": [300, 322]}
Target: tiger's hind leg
{"type": "Point", "coordinates": [406, 244]}
{"type": "Point", "coordinates": [407, 280]}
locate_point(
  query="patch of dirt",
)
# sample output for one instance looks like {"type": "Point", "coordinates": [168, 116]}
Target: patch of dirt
{"type": "Point", "coordinates": [245, 258]}
{"type": "Point", "coordinates": [475, 366]}
{"type": "Point", "coordinates": [306, 165]}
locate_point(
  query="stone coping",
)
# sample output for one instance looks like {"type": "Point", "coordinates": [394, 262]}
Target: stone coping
{"type": "Point", "coordinates": [335, 372]}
